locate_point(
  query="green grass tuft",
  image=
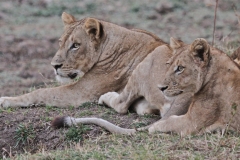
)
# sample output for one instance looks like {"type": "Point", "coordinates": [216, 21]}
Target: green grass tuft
{"type": "Point", "coordinates": [75, 133]}
{"type": "Point", "coordinates": [24, 134]}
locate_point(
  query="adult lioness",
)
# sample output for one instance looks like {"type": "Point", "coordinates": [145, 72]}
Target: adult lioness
{"type": "Point", "coordinates": [101, 53]}
{"type": "Point", "coordinates": [214, 78]}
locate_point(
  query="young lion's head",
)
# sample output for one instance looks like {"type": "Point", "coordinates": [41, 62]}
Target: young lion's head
{"type": "Point", "coordinates": [78, 48]}
{"type": "Point", "coordinates": [187, 68]}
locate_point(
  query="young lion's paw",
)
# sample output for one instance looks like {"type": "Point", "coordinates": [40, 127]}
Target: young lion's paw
{"type": "Point", "coordinates": [4, 102]}
{"type": "Point", "coordinates": [107, 98]}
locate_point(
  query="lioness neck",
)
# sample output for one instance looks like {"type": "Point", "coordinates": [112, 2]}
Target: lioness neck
{"type": "Point", "coordinates": [125, 48]}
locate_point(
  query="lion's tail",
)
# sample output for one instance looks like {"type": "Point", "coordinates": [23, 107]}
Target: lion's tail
{"type": "Point", "coordinates": [59, 122]}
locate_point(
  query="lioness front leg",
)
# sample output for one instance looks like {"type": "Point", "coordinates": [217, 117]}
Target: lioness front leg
{"type": "Point", "coordinates": [61, 96]}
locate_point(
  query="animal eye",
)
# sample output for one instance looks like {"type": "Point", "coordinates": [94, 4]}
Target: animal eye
{"type": "Point", "coordinates": [179, 69]}
{"type": "Point", "coordinates": [75, 46]}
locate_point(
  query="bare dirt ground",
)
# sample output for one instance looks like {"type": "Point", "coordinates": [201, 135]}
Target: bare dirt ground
{"type": "Point", "coordinates": [29, 32]}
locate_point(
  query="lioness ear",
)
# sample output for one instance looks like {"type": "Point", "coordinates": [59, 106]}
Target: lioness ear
{"type": "Point", "coordinates": [200, 49]}
{"type": "Point", "coordinates": [175, 43]}
{"type": "Point", "coordinates": [94, 28]}
{"type": "Point", "coordinates": [67, 18]}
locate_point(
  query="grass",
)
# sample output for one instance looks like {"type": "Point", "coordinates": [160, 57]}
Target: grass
{"type": "Point", "coordinates": [145, 146]}
{"type": "Point", "coordinates": [24, 134]}
{"type": "Point", "coordinates": [75, 133]}
{"type": "Point", "coordinates": [79, 143]}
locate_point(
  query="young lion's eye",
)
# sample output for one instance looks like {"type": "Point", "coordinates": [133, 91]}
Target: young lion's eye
{"type": "Point", "coordinates": [179, 69]}
{"type": "Point", "coordinates": [75, 46]}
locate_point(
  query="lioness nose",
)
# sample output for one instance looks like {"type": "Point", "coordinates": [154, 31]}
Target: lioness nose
{"type": "Point", "coordinates": [162, 88]}
{"type": "Point", "coordinates": [57, 66]}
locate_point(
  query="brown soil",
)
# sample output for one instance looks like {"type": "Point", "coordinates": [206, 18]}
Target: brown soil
{"type": "Point", "coordinates": [43, 137]}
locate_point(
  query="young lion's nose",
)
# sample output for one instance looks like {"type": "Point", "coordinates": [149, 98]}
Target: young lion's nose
{"type": "Point", "coordinates": [162, 88]}
{"type": "Point", "coordinates": [57, 66]}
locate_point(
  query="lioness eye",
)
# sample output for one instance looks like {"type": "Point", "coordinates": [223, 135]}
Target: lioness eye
{"type": "Point", "coordinates": [75, 46]}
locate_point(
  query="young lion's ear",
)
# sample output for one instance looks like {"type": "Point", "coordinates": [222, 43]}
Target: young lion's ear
{"type": "Point", "coordinates": [94, 28]}
{"type": "Point", "coordinates": [200, 49]}
{"type": "Point", "coordinates": [175, 43]}
{"type": "Point", "coordinates": [67, 18]}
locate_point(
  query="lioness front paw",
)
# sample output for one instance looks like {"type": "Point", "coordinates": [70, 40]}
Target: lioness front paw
{"type": "Point", "coordinates": [107, 98]}
{"type": "Point", "coordinates": [4, 103]}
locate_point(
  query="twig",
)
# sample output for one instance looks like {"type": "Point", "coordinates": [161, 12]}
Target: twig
{"type": "Point", "coordinates": [214, 22]}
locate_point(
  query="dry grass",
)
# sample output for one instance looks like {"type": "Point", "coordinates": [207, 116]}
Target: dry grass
{"type": "Point", "coordinates": [92, 142]}
{"type": "Point", "coordinates": [145, 146]}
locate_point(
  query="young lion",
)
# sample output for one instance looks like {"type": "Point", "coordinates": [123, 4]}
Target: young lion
{"type": "Point", "coordinates": [102, 54]}
{"type": "Point", "coordinates": [214, 78]}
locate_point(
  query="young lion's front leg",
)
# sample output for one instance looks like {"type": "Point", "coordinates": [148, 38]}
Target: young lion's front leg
{"type": "Point", "coordinates": [179, 124]}
{"type": "Point", "coordinates": [199, 117]}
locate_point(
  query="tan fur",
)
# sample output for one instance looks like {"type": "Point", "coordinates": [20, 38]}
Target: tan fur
{"type": "Point", "coordinates": [143, 83]}
{"type": "Point", "coordinates": [141, 92]}
{"type": "Point", "coordinates": [214, 79]}
{"type": "Point", "coordinates": [103, 55]}
{"type": "Point", "coordinates": [236, 56]}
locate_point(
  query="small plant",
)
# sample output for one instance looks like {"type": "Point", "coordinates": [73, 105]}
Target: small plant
{"type": "Point", "coordinates": [139, 124]}
{"type": "Point", "coordinates": [150, 116]}
{"type": "Point", "coordinates": [49, 108]}
{"type": "Point", "coordinates": [71, 108]}
{"type": "Point", "coordinates": [75, 133]}
{"type": "Point", "coordinates": [87, 104]}
{"type": "Point", "coordinates": [48, 119]}
{"type": "Point", "coordinates": [8, 110]}
{"type": "Point", "coordinates": [24, 134]}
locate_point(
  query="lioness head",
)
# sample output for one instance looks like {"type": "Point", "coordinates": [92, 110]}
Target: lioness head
{"type": "Point", "coordinates": [186, 68]}
{"type": "Point", "coordinates": [78, 48]}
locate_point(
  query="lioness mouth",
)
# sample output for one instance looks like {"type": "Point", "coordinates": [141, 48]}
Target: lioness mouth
{"type": "Point", "coordinates": [72, 75]}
